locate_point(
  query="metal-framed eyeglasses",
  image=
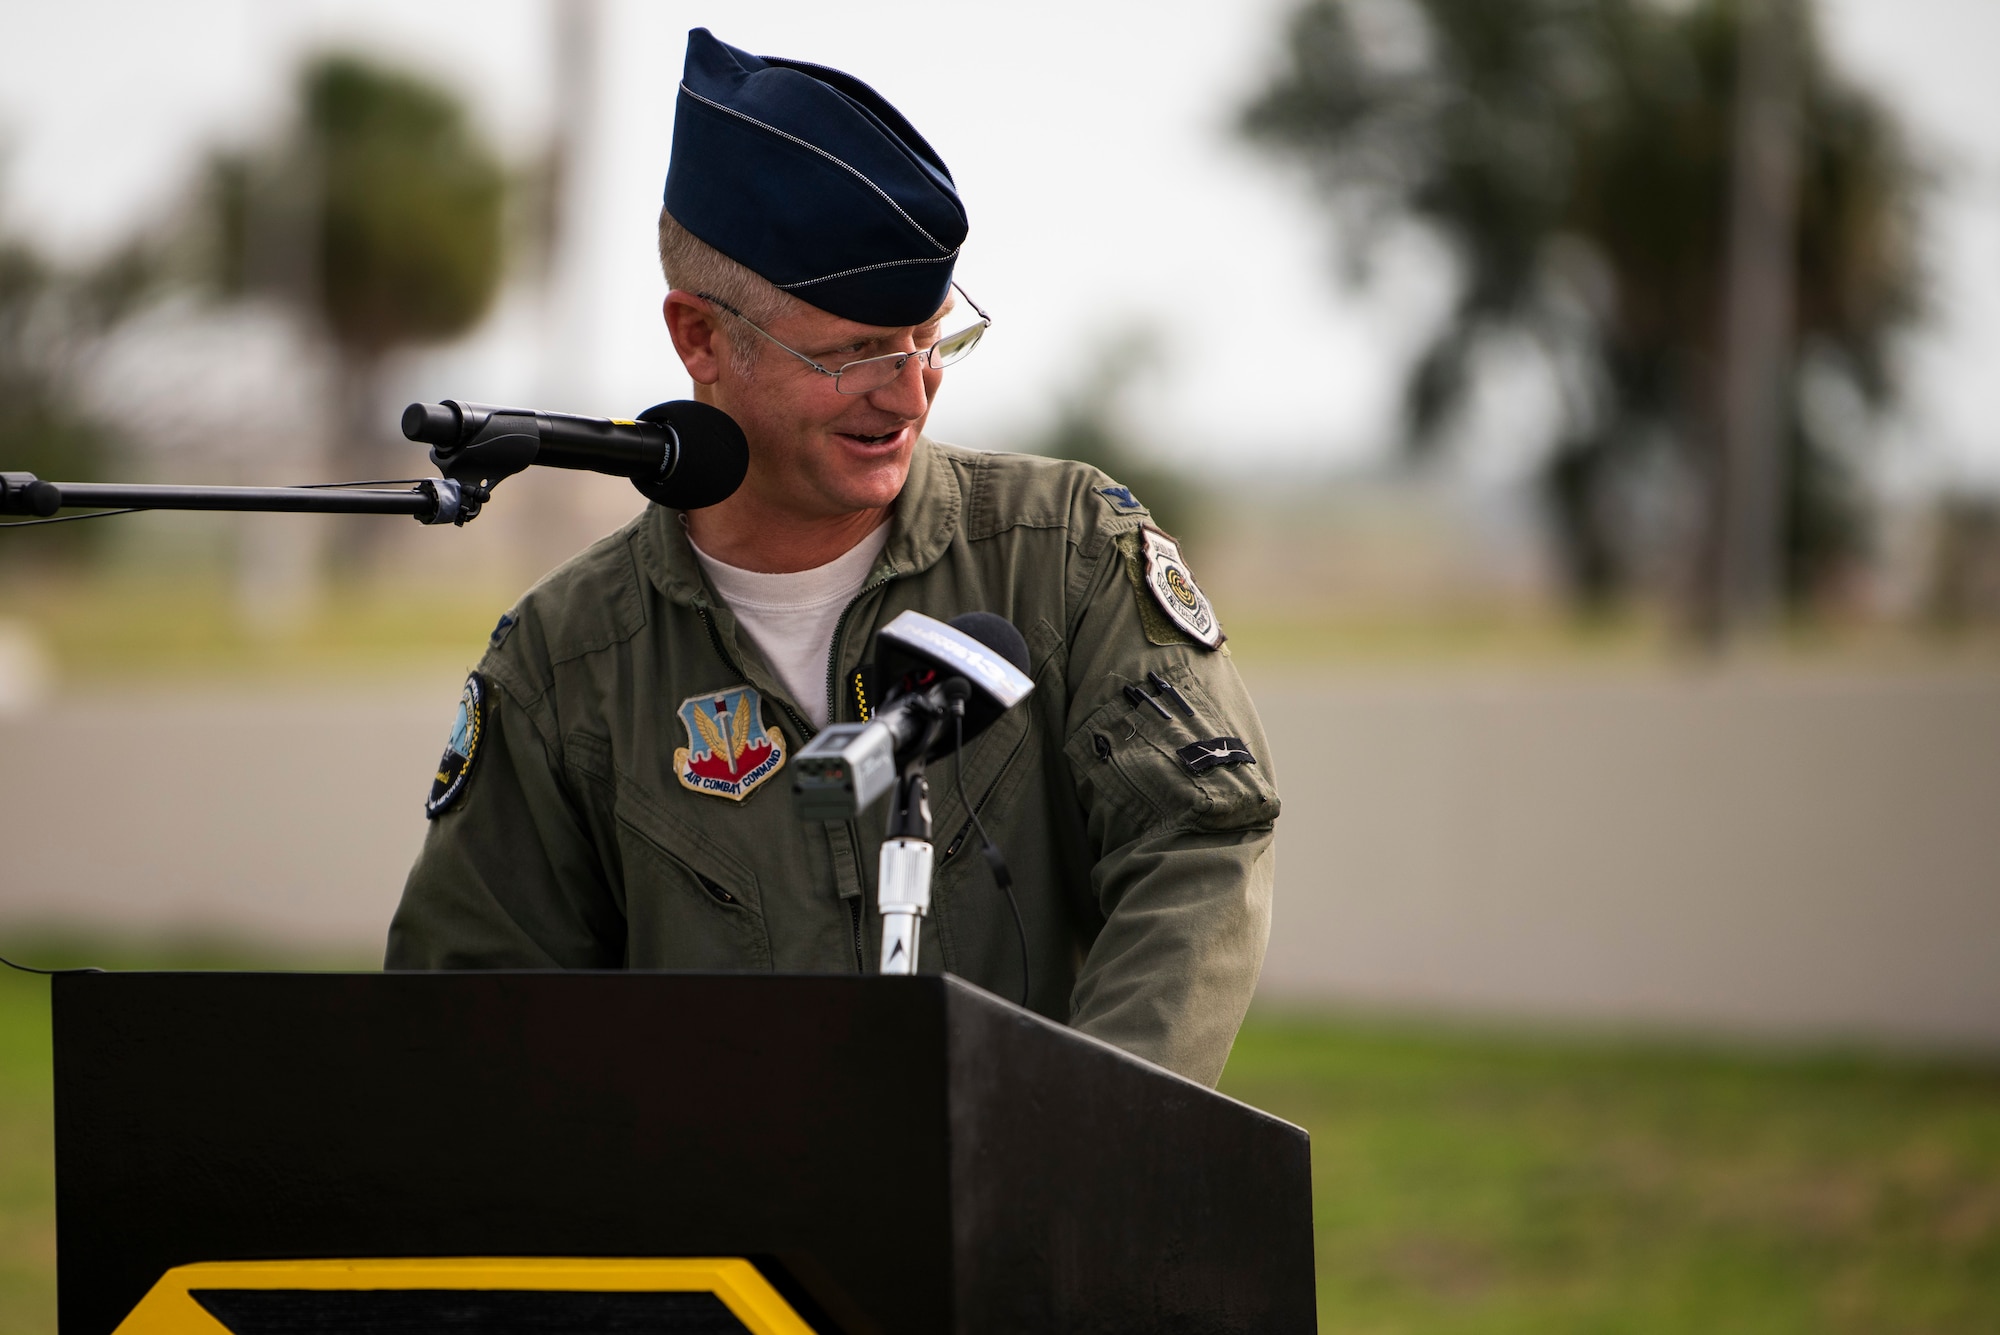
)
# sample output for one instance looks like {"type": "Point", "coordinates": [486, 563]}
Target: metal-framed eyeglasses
{"type": "Point", "coordinates": [872, 373]}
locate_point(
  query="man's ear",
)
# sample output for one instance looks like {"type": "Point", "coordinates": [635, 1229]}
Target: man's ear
{"type": "Point", "coordinates": [697, 334]}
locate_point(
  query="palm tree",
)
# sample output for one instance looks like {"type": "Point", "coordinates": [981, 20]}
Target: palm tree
{"type": "Point", "coordinates": [52, 321]}
{"type": "Point", "coordinates": [380, 216]}
{"type": "Point", "coordinates": [1579, 159]}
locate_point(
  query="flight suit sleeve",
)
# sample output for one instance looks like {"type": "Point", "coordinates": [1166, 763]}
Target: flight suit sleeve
{"type": "Point", "coordinates": [1183, 837]}
{"type": "Point", "coordinates": [509, 877]}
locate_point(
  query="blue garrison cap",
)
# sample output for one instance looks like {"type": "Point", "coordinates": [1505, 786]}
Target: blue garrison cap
{"type": "Point", "coordinates": [810, 178]}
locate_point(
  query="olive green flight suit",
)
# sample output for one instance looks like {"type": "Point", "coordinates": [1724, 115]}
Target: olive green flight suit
{"type": "Point", "coordinates": [1145, 887]}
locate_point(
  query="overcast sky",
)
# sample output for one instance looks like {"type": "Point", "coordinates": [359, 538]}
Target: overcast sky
{"type": "Point", "coordinates": [1091, 143]}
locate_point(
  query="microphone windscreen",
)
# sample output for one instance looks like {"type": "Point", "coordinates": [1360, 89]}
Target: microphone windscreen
{"type": "Point", "coordinates": [713, 456]}
{"type": "Point", "coordinates": [996, 633]}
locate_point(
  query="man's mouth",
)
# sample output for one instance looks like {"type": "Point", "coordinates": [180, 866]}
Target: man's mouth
{"type": "Point", "coordinates": [881, 439]}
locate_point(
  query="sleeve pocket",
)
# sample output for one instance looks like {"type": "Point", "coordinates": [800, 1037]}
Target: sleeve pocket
{"type": "Point", "coordinates": [1126, 758]}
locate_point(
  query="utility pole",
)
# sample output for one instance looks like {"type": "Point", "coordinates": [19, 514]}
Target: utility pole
{"type": "Point", "coordinates": [1758, 323]}
{"type": "Point", "coordinates": [565, 352]}
{"type": "Point", "coordinates": [549, 529]}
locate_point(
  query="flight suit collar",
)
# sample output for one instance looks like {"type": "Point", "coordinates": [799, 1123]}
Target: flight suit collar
{"type": "Point", "coordinates": [922, 524]}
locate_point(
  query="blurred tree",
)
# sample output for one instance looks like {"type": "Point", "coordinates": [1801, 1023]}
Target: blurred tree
{"type": "Point", "coordinates": [1090, 427]}
{"type": "Point", "coordinates": [51, 320]}
{"type": "Point", "coordinates": [380, 216]}
{"type": "Point", "coordinates": [1575, 157]}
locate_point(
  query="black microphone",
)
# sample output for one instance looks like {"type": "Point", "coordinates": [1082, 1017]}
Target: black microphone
{"type": "Point", "coordinates": [978, 662]}
{"type": "Point", "coordinates": [683, 454]}
{"type": "Point", "coordinates": [996, 633]}
{"type": "Point", "coordinates": [983, 707]}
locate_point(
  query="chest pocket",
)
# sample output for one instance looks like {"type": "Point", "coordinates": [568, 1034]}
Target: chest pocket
{"type": "Point", "coordinates": [1146, 770]}
{"type": "Point", "coordinates": [688, 905]}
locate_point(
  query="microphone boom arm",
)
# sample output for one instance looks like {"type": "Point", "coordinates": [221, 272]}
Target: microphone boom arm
{"type": "Point", "coordinates": [432, 501]}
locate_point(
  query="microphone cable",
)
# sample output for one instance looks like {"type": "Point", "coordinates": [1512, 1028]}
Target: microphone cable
{"type": "Point", "coordinates": [46, 973]}
{"type": "Point", "coordinates": [70, 519]}
{"type": "Point", "coordinates": [995, 862]}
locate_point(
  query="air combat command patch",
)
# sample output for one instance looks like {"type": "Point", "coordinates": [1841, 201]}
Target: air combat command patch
{"type": "Point", "coordinates": [455, 768]}
{"type": "Point", "coordinates": [1173, 588]}
{"type": "Point", "coordinates": [729, 751]}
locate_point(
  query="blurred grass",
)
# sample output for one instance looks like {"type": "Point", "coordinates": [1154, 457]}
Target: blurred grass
{"type": "Point", "coordinates": [1465, 1183]}
{"type": "Point", "coordinates": [27, 1159]}
{"type": "Point", "coordinates": [27, 1114]}
{"type": "Point", "coordinates": [108, 628]}
{"type": "Point", "coordinates": [1527, 637]}
{"type": "Point", "coordinates": [1470, 1183]}
{"type": "Point", "coordinates": [120, 627]}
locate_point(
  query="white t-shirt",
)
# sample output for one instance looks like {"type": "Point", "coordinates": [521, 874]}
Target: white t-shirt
{"type": "Point", "coordinates": [791, 617]}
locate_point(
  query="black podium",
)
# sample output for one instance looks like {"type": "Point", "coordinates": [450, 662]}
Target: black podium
{"type": "Point", "coordinates": [891, 1154]}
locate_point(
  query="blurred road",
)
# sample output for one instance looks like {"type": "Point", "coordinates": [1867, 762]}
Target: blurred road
{"type": "Point", "coordinates": [1800, 853]}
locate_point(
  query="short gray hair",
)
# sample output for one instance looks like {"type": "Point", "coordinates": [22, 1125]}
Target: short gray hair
{"type": "Point", "coordinates": [692, 265]}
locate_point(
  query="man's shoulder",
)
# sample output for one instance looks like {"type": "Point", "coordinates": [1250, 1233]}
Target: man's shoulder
{"type": "Point", "coordinates": [591, 602]}
{"type": "Point", "coordinates": [1010, 491]}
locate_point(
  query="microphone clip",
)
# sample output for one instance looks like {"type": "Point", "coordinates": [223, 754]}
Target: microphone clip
{"type": "Point", "coordinates": [502, 445]}
{"type": "Point", "coordinates": [455, 503]}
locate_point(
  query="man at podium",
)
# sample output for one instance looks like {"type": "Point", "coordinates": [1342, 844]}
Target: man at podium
{"type": "Point", "coordinates": [614, 793]}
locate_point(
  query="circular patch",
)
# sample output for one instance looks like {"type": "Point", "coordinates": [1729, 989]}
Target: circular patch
{"type": "Point", "coordinates": [462, 751]}
{"type": "Point", "coordinates": [1174, 589]}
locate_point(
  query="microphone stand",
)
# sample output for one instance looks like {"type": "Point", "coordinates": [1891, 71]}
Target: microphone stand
{"type": "Point", "coordinates": [471, 471]}
{"type": "Point", "coordinates": [432, 501]}
{"type": "Point", "coordinates": [474, 448]}
{"type": "Point", "coordinates": [903, 875]}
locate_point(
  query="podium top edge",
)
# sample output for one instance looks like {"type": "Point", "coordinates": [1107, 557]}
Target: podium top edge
{"type": "Point", "coordinates": [935, 988]}
{"type": "Point", "coordinates": [847, 978]}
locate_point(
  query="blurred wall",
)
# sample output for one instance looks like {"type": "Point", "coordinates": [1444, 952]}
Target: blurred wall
{"type": "Point", "coordinates": [282, 814]}
{"type": "Point", "coordinates": [1812, 852]}
{"type": "Point", "coordinates": [1806, 852]}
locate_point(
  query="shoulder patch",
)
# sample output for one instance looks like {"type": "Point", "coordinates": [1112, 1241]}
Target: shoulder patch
{"type": "Point", "coordinates": [1159, 629]}
{"type": "Point", "coordinates": [461, 752]}
{"type": "Point", "coordinates": [1172, 585]}
{"type": "Point", "coordinates": [1121, 498]}
{"type": "Point", "coordinates": [730, 752]}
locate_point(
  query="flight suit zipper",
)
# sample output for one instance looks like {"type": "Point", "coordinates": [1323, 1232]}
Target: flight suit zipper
{"type": "Point", "coordinates": [805, 734]}
{"type": "Point", "coordinates": [854, 908]}
{"type": "Point", "coordinates": [833, 650]}
{"type": "Point", "coordinates": [806, 730]}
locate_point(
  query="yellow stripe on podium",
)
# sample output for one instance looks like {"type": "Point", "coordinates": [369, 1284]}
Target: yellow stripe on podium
{"type": "Point", "coordinates": [252, 1295]}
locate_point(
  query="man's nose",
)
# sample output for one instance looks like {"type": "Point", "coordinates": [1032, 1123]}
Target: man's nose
{"type": "Point", "coordinates": [905, 395]}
